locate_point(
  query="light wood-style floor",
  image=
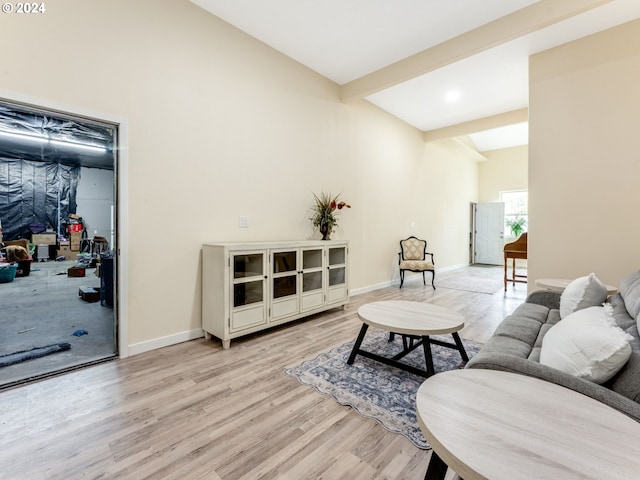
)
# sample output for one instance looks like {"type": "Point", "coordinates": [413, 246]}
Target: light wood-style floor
{"type": "Point", "coordinates": [196, 411]}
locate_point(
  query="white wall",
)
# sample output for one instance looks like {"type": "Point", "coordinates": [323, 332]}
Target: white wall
{"type": "Point", "coordinates": [505, 169]}
{"type": "Point", "coordinates": [94, 199]}
{"type": "Point", "coordinates": [583, 157]}
{"type": "Point", "coordinates": [222, 126]}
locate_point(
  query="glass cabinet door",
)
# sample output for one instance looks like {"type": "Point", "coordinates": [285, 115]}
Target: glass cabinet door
{"type": "Point", "coordinates": [285, 274]}
{"type": "Point", "coordinates": [248, 265]}
{"type": "Point", "coordinates": [311, 270]}
{"type": "Point", "coordinates": [337, 290]}
{"type": "Point", "coordinates": [248, 279]}
{"type": "Point", "coordinates": [246, 293]}
{"type": "Point", "coordinates": [248, 290]}
{"type": "Point", "coordinates": [337, 266]}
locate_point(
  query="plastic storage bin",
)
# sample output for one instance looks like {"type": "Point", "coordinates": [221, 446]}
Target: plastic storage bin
{"type": "Point", "coordinates": [7, 272]}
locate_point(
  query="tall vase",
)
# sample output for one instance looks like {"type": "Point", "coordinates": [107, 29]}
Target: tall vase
{"type": "Point", "coordinates": [325, 231]}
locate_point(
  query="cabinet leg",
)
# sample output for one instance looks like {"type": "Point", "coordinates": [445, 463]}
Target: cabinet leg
{"type": "Point", "coordinates": [207, 335]}
{"type": "Point", "coordinates": [226, 344]}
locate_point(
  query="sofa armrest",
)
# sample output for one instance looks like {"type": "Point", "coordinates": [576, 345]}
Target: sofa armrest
{"type": "Point", "coordinates": [513, 364]}
{"type": "Point", "coordinates": [547, 298]}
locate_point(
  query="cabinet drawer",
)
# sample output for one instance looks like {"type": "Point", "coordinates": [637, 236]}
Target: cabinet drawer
{"type": "Point", "coordinates": [284, 308]}
{"type": "Point", "coordinates": [337, 294]}
{"type": "Point", "coordinates": [248, 317]}
{"type": "Point", "coordinates": [312, 300]}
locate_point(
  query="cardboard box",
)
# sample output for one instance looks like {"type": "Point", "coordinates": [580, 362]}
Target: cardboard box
{"type": "Point", "coordinates": [75, 238]}
{"type": "Point", "coordinates": [44, 239]}
{"type": "Point", "coordinates": [89, 294]}
{"type": "Point", "coordinates": [65, 250]}
{"type": "Point", "coordinates": [76, 272]}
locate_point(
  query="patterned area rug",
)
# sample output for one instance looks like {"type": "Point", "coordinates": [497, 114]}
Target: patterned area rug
{"type": "Point", "coordinates": [375, 390]}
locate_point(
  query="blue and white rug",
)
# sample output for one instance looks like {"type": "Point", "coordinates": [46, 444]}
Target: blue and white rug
{"type": "Point", "coordinates": [375, 390]}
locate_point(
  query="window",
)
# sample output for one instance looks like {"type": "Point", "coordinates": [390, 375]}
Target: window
{"type": "Point", "coordinates": [516, 218]}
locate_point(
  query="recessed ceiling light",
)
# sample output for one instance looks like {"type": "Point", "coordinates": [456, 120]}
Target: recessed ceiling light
{"type": "Point", "coordinates": [452, 96]}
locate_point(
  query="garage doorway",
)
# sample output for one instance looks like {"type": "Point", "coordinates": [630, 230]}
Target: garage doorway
{"type": "Point", "coordinates": [58, 202]}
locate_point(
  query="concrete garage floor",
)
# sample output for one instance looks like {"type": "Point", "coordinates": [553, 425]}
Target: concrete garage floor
{"type": "Point", "coordinates": [44, 308]}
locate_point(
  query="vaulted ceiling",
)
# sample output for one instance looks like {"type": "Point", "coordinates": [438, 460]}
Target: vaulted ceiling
{"type": "Point", "coordinates": [447, 67]}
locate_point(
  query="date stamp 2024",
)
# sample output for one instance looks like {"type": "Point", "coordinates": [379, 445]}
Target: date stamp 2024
{"type": "Point", "coordinates": [29, 8]}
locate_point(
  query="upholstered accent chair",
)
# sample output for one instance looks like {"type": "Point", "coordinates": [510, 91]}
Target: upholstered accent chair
{"type": "Point", "coordinates": [413, 257]}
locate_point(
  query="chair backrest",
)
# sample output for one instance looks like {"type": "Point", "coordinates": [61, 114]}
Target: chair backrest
{"type": "Point", "coordinates": [413, 248]}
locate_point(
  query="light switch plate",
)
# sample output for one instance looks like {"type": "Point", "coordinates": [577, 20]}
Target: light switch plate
{"type": "Point", "coordinates": [244, 222]}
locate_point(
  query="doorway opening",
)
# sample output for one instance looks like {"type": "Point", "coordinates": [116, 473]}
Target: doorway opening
{"type": "Point", "coordinates": [487, 234]}
{"type": "Point", "coordinates": [58, 211]}
{"type": "Point", "coordinates": [516, 215]}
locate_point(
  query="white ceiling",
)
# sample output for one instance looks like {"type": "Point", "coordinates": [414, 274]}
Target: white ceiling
{"type": "Point", "coordinates": [357, 42]}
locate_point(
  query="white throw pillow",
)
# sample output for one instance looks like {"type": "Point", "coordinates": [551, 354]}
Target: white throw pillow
{"type": "Point", "coordinates": [581, 293]}
{"type": "Point", "coordinates": [587, 344]}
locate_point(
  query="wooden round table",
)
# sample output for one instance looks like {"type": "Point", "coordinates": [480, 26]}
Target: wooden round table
{"type": "Point", "coordinates": [487, 424]}
{"type": "Point", "coordinates": [559, 284]}
{"type": "Point", "coordinates": [415, 321]}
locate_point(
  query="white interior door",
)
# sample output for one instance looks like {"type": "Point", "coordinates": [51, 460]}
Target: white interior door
{"type": "Point", "coordinates": [489, 233]}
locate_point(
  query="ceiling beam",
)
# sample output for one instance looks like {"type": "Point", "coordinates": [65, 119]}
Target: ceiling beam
{"type": "Point", "coordinates": [479, 125]}
{"type": "Point", "coordinates": [522, 22]}
{"type": "Point", "coordinates": [475, 154]}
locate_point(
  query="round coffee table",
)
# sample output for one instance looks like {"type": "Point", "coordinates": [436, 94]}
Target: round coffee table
{"type": "Point", "coordinates": [498, 425]}
{"type": "Point", "coordinates": [415, 321]}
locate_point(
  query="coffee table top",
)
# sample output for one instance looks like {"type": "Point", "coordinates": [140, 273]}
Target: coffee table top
{"type": "Point", "coordinates": [411, 318]}
{"type": "Point", "coordinates": [559, 284]}
{"type": "Point", "coordinates": [487, 424]}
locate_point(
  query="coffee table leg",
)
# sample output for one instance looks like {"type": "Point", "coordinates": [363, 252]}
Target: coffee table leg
{"type": "Point", "coordinates": [437, 469]}
{"type": "Point", "coordinates": [356, 346]}
{"type": "Point", "coordinates": [426, 346]}
{"type": "Point", "coordinates": [463, 352]}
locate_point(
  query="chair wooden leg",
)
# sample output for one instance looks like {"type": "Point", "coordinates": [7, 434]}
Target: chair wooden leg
{"type": "Point", "coordinates": [401, 278]}
{"type": "Point", "coordinates": [424, 280]}
{"type": "Point", "coordinates": [433, 279]}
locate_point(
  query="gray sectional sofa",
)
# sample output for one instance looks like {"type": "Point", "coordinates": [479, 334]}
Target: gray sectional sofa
{"type": "Point", "coordinates": [516, 344]}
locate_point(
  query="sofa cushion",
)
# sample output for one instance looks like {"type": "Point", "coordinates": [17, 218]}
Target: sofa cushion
{"type": "Point", "coordinates": [587, 344]}
{"type": "Point", "coordinates": [620, 313]}
{"type": "Point", "coordinates": [507, 346]}
{"type": "Point", "coordinates": [581, 293]}
{"type": "Point", "coordinates": [630, 293]}
{"type": "Point", "coordinates": [520, 331]}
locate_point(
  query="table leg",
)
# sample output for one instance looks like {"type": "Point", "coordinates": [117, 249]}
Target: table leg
{"type": "Point", "coordinates": [428, 359]}
{"type": "Point", "coordinates": [356, 346]}
{"type": "Point", "coordinates": [437, 469]}
{"type": "Point", "coordinates": [463, 352]}
{"type": "Point", "coordinates": [505, 272]}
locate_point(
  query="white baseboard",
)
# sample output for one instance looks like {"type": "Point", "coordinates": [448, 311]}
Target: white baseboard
{"type": "Point", "coordinates": [371, 288]}
{"type": "Point", "coordinates": [161, 342]}
{"type": "Point", "coordinates": [453, 267]}
{"type": "Point", "coordinates": [409, 278]}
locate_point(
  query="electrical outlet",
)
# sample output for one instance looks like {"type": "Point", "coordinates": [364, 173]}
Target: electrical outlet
{"type": "Point", "coordinates": [413, 224]}
{"type": "Point", "coordinates": [244, 222]}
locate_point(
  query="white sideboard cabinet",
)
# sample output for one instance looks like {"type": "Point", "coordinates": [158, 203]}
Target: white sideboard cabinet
{"type": "Point", "coordinates": [247, 287]}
